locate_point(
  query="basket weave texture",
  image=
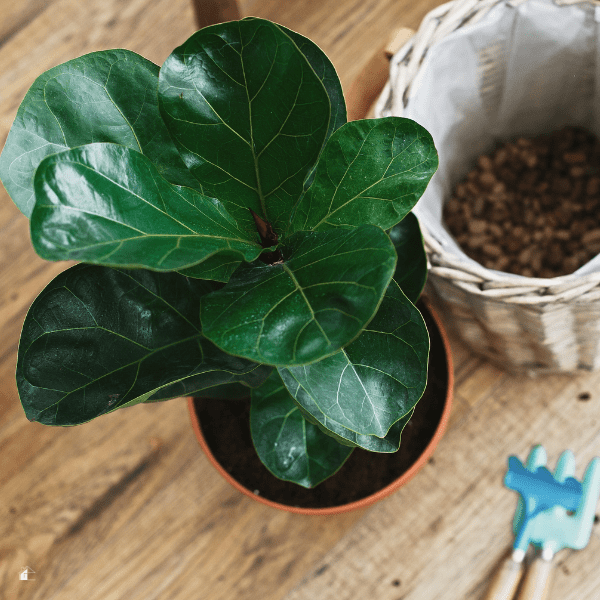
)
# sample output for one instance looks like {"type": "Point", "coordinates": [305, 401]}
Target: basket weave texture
{"type": "Point", "coordinates": [523, 324]}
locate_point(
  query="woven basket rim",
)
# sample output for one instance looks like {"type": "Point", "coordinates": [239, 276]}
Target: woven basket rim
{"type": "Point", "coordinates": [467, 274]}
{"type": "Point", "coordinates": [520, 289]}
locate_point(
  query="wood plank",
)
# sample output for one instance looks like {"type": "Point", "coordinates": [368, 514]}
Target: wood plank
{"type": "Point", "coordinates": [152, 484]}
{"type": "Point", "coordinates": [128, 507]}
{"type": "Point", "coordinates": [71, 486]}
{"type": "Point", "coordinates": [16, 16]}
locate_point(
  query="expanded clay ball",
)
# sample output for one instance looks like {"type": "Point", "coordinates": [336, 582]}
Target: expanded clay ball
{"type": "Point", "coordinates": [531, 207]}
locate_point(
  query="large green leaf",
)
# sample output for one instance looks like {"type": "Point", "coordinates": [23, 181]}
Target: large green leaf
{"type": "Point", "coordinates": [289, 446]}
{"type": "Point", "coordinates": [374, 381]}
{"type": "Point", "coordinates": [371, 171]}
{"type": "Point", "coordinates": [310, 305]}
{"type": "Point", "coordinates": [203, 385]}
{"type": "Point", "coordinates": [97, 339]}
{"type": "Point", "coordinates": [411, 269]}
{"type": "Point", "coordinates": [388, 444]}
{"type": "Point", "coordinates": [326, 72]}
{"type": "Point", "coordinates": [216, 268]}
{"type": "Point", "coordinates": [107, 204]}
{"type": "Point", "coordinates": [107, 96]}
{"type": "Point", "coordinates": [249, 116]}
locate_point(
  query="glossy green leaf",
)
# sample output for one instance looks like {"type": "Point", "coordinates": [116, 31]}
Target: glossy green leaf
{"type": "Point", "coordinates": [374, 381]}
{"type": "Point", "coordinates": [388, 444]}
{"type": "Point", "coordinates": [107, 204]}
{"type": "Point", "coordinates": [203, 387]}
{"type": "Point", "coordinates": [97, 339]}
{"type": "Point", "coordinates": [107, 96]}
{"type": "Point", "coordinates": [326, 72]}
{"type": "Point", "coordinates": [249, 116]}
{"type": "Point", "coordinates": [313, 303]}
{"type": "Point", "coordinates": [289, 446]}
{"type": "Point", "coordinates": [411, 269]}
{"type": "Point", "coordinates": [371, 171]}
{"type": "Point", "coordinates": [219, 267]}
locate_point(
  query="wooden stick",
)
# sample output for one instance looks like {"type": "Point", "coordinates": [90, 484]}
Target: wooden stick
{"type": "Point", "coordinates": [537, 580]}
{"type": "Point", "coordinates": [368, 85]}
{"type": "Point", "coordinates": [505, 583]}
{"type": "Point", "coordinates": [209, 12]}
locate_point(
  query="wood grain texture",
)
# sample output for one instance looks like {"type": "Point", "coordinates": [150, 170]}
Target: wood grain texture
{"type": "Point", "coordinates": [127, 507]}
{"type": "Point", "coordinates": [505, 581]}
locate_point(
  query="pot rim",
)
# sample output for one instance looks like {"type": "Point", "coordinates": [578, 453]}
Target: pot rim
{"type": "Point", "coordinates": [367, 500]}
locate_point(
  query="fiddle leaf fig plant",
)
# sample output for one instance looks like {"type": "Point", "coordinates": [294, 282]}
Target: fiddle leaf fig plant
{"type": "Point", "coordinates": [235, 237]}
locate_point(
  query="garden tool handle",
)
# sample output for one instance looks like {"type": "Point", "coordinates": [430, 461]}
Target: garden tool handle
{"type": "Point", "coordinates": [506, 580]}
{"type": "Point", "coordinates": [537, 580]}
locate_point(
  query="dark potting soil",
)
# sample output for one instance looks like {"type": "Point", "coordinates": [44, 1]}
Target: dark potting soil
{"type": "Point", "coordinates": [226, 427]}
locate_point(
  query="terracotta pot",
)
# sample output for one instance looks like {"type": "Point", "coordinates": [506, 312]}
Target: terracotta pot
{"type": "Point", "coordinates": [368, 500]}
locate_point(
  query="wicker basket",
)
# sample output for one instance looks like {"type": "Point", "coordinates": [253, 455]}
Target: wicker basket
{"type": "Point", "coordinates": [522, 324]}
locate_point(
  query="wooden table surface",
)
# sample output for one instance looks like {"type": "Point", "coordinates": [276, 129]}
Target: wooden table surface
{"type": "Point", "coordinates": [128, 507]}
